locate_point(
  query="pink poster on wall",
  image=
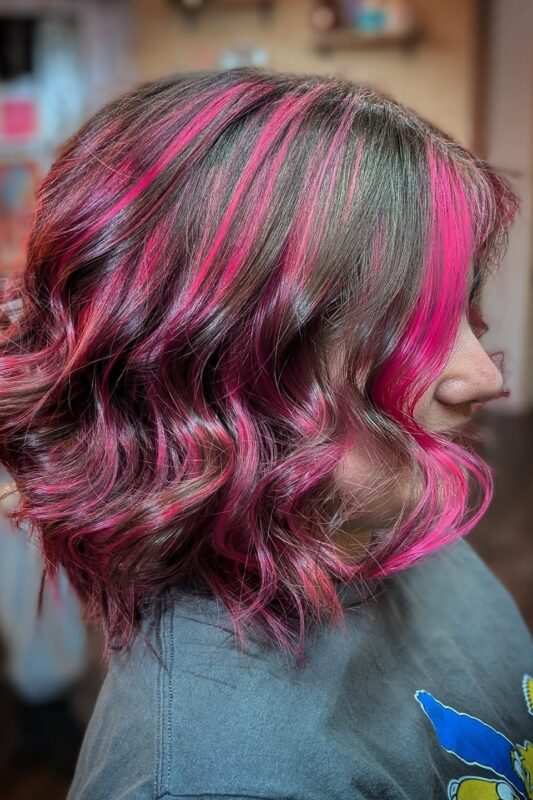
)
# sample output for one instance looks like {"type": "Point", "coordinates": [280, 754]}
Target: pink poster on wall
{"type": "Point", "coordinates": [18, 184]}
{"type": "Point", "coordinates": [19, 119]}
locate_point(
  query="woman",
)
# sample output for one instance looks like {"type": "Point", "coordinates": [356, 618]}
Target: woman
{"type": "Point", "coordinates": [234, 405]}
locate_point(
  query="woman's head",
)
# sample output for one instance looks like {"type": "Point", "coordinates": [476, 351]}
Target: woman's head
{"type": "Point", "coordinates": [247, 314]}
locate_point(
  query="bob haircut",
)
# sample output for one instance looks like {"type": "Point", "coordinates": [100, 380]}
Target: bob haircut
{"type": "Point", "coordinates": [168, 410]}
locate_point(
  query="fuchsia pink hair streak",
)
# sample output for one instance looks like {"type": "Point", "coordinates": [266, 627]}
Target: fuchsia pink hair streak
{"type": "Point", "coordinates": [167, 409]}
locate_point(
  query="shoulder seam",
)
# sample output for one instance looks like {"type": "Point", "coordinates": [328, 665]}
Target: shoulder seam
{"type": "Point", "coordinates": [161, 722]}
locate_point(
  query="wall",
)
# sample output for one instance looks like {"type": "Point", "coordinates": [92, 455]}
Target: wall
{"type": "Point", "coordinates": [509, 297]}
{"type": "Point", "coordinates": [437, 79]}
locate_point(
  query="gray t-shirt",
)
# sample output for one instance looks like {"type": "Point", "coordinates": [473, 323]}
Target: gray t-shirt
{"type": "Point", "coordinates": [425, 694]}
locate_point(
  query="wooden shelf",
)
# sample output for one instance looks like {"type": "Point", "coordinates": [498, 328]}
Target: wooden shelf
{"type": "Point", "coordinates": [264, 8]}
{"type": "Point", "coordinates": [229, 5]}
{"type": "Point", "coordinates": [349, 38]}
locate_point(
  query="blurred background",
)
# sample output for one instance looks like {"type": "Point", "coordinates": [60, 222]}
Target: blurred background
{"type": "Point", "coordinates": [466, 65]}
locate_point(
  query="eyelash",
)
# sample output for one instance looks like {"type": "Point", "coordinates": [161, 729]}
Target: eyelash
{"type": "Point", "coordinates": [476, 321]}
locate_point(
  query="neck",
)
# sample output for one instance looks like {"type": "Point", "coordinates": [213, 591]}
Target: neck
{"type": "Point", "coordinates": [355, 538]}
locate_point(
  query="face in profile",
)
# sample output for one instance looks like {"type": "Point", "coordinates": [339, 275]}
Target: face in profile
{"type": "Point", "coordinates": [372, 472]}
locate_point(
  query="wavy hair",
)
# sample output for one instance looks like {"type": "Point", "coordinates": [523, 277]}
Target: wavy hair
{"type": "Point", "coordinates": [168, 409]}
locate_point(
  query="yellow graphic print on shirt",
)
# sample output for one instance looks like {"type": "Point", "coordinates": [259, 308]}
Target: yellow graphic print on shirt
{"type": "Point", "coordinates": [478, 744]}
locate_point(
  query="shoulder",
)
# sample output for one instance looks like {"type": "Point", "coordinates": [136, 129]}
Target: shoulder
{"type": "Point", "coordinates": [118, 756]}
{"type": "Point", "coordinates": [179, 726]}
{"type": "Point", "coordinates": [212, 721]}
{"type": "Point", "coordinates": [452, 594]}
{"type": "Point", "coordinates": [232, 723]}
{"type": "Point", "coordinates": [456, 577]}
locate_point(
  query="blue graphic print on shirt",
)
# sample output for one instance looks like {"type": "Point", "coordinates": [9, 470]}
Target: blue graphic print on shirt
{"type": "Point", "coordinates": [476, 743]}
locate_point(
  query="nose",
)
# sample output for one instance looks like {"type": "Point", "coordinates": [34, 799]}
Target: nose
{"type": "Point", "coordinates": [470, 376]}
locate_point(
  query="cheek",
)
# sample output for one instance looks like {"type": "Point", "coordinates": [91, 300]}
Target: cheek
{"type": "Point", "coordinates": [370, 474]}
{"type": "Point", "coordinates": [379, 483]}
{"type": "Point", "coordinates": [357, 471]}
{"type": "Point", "coordinates": [423, 407]}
